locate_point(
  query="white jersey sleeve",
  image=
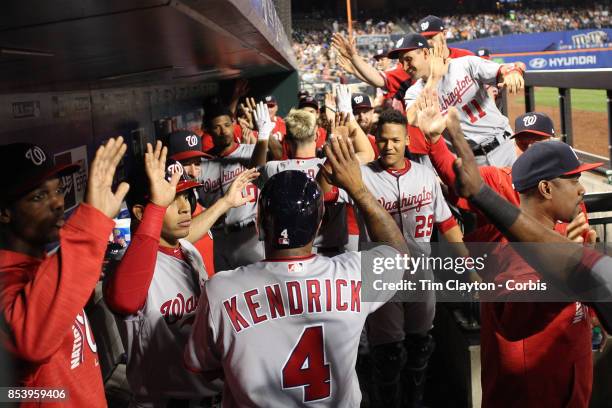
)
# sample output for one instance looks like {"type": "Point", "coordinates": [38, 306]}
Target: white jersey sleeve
{"type": "Point", "coordinates": [413, 93]}
{"type": "Point", "coordinates": [482, 70]}
{"type": "Point", "coordinates": [201, 356]}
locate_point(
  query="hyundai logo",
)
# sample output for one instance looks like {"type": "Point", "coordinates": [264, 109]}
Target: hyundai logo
{"type": "Point", "coordinates": [538, 63]}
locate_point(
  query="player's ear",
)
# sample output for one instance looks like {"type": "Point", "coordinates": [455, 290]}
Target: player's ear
{"type": "Point", "coordinates": [138, 211]}
{"type": "Point", "coordinates": [544, 187]}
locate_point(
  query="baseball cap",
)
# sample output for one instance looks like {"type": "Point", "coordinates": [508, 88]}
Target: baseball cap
{"type": "Point", "coordinates": [270, 100]}
{"type": "Point", "coordinates": [430, 25]}
{"type": "Point", "coordinates": [360, 100]}
{"type": "Point", "coordinates": [483, 53]}
{"type": "Point", "coordinates": [139, 182]}
{"type": "Point", "coordinates": [308, 101]}
{"type": "Point", "coordinates": [302, 93]}
{"type": "Point", "coordinates": [25, 166]}
{"type": "Point", "coordinates": [183, 145]}
{"type": "Point", "coordinates": [533, 123]}
{"type": "Point", "coordinates": [546, 161]}
{"type": "Point", "coordinates": [380, 54]}
{"type": "Point", "coordinates": [408, 42]}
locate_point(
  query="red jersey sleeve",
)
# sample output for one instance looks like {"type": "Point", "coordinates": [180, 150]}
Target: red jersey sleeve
{"type": "Point", "coordinates": [40, 299]}
{"type": "Point", "coordinates": [127, 288]}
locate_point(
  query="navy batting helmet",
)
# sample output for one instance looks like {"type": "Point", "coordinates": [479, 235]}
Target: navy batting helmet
{"type": "Point", "coordinates": [290, 209]}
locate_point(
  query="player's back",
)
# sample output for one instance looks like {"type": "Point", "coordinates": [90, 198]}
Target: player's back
{"type": "Point", "coordinates": [287, 331]}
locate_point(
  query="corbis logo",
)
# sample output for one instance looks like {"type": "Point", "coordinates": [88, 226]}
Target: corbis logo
{"type": "Point", "coordinates": [192, 140]}
{"type": "Point", "coordinates": [425, 25]}
{"type": "Point", "coordinates": [36, 155]}
{"type": "Point", "coordinates": [538, 63]}
{"type": "Point", "coordinates": [530, 120]}
{"type": "Point", "coordinates": [358, 99]}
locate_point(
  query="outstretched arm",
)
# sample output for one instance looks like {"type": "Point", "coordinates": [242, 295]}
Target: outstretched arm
{"type": "Point", "coordinates": [348, 50]}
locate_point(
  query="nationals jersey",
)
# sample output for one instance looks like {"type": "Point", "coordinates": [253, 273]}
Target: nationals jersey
{"type": "Point", "coordinates": [286, 332]}
{"type": "Point", "coordinates": [412, 196]}
{"type": "Point", "coordinates": [218, 174]}
{"type": "Point", "coordinates": [155, 337]}
{"type": "Point", "coordinates": [463, 86]}
{"type": "Point", "coordinates": [333, 232]}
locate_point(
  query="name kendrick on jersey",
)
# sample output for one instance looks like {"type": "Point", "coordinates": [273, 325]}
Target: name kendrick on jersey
{"type": "Point", "coordinates": [292, 298]}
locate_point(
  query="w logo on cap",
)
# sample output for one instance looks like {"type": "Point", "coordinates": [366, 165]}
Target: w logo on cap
{"type": "Point", "coordinates": [192, 140]}
{"type": "Point", "coordinates": [530, 120]}
{"type": "Point", "coordinates": [358, 99]}
{"type": "Point", "coordinates": [175, 168]}
{"type": "Point", "coordinates": [424, 25]}
{"type": "Point", "coordinates": [36, 155]}
{"type": "Point", "coordinates": [399, 43]}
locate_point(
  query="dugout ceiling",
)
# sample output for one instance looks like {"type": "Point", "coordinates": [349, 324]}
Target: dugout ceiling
{"type": "Point", "coordinates": [82, 44]}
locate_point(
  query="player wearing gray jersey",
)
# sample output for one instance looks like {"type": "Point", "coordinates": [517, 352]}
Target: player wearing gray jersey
{"type": "Point", "coordinates": [411, 194]}
{"type": "Point", "coordinates": [236, 240]}
{"type": "Point", "coordinates": [461, 82]}
{"type": "Point", "coordinates": [155, 289]}
{"type": "Point", "coordinates": [301, 142]}
{"type": "Point", "coordinates": [285, 331]}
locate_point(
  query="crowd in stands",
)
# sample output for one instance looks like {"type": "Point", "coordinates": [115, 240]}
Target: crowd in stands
{"type": "Point", "coordinates": [317, 60]}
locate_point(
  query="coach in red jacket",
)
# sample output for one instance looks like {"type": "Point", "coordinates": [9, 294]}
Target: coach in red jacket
{"type": "Point", "coordinates": [43, 296]}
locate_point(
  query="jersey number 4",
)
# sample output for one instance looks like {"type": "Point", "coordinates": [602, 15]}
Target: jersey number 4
{"type": "Point", "coordinates": [306, 366]}
{"type": "Point", "coordinates": [471, 110]}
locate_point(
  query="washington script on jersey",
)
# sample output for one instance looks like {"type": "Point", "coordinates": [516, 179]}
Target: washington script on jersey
{"type": "Point", "coordinates": [413, 202]}
{"type": "Point", "coordinates": [456, 95]}
{"type": "Point", "coordinates": [226, 178]}
{"type": "Point", "coordinates": [293, 298]}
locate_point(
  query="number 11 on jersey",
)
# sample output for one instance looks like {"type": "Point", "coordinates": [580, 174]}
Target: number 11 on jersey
{"type": "Point", "coordinates": [306, 366]}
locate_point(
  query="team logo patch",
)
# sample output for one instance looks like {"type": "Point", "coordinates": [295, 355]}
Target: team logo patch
{"type": "Point", "coordinates": [295, 267]}
{"type": "Point", "coordinates": [530, 120]}
{"type": "Point", "coordinates": [268, 99]}
{"type": "Point", "coordinates": [175, 168]}
{"type": "Point", "coordinates": [36, 156]}
{"type": "Point", "coordinates": [424, 26]}
{"type": "Point", "coordinates": [192, 140]}
{"type": "Point", "coordinates": [399, 43]}
{"type": "Point", "coordinates": [358, 99]}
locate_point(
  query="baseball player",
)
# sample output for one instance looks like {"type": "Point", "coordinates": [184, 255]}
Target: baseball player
{"type": "Point", "coordinates": [186, 147]}
{"type": "Point", "coordinates": [285, 331]}
{"type": "Point", "coordinates": [301, 126]}
{"type": "Point", "coordinates": [461, 83]}
{"type": "Point", "coordinates": [43, 294]}
{"type": "Point", "coordinates": [155, 289]}
{"type": "Point", "coordinates": [236, 240]}
{"type": "Point", "coordinates": [410, 192]}
{"type": "Point", "coordinates": [532, 127]}
{"type": "Point", "coordinates": [521, 341]}
{"type": "Point", "coordinates": [279, 123]}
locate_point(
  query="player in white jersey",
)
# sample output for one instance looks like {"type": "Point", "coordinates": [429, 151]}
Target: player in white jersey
{"type": "Point", "coordinates": [155, 289]}
{"type": "Point", "coordinates": [285, 330]}
{"type": "Point", "coordinates": [411, 193]}
{"type": "Point", "coordinates": [236, 240]}
{"type": "Point", "coordinates": [301, 142]}
{"type": "Point", "coordinates": [461, 82]}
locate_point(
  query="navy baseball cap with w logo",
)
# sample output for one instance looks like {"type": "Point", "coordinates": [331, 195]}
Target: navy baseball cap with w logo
{"type": "Point", "coordinates": [26, 166]}
{"type": "Point", "coordinates": [535, 123]}
{"type": "Point", "coordinates": [546, 161]}
{"type": "Point", "coordinates": [430, 26]}
{"type": "Point", "coordinates": [184, 145]}
{"type": "Point", "coordinates": [406, 43]}
{"type": "Point", "coordinates": [360, 100]}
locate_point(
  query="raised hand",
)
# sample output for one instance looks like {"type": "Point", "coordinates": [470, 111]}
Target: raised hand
{"type": "Point", "coordinates": [345, 166]}
{"type": "Point", "coordinates": [345, 64]}
{"type": "Point", "coordinates": [343, 99]}
{"type": "Point", "coordinates": [99, 186]}
{"type": "Point", "coordinates": [241, 88]}
{"type": "Point", "coordinates": [162, 190]}
{"type": "Point", "coordinates": [265, 125]}
{"type": "Point", "coordinates": [345, 47]}
{"type": "Point", "coordinates": [577, 228]}
{"type": "Point", "coordinates": [438, 62]}
{"type": "Point", "coordinates": [234, 196]}
{"type": "Point", "coordinates": [248, 137]}
{"type": "Point", "coordinates": [513, 80]}
{"type": "Point", "coordinates": [430, 119]}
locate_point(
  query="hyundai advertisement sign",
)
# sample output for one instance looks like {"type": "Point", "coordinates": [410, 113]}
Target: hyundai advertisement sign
{"type": "Point", "coordinates": [578, 59]}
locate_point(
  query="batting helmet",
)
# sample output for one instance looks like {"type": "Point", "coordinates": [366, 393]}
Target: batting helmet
{"type": "Point", "coordinates": [290, 209]}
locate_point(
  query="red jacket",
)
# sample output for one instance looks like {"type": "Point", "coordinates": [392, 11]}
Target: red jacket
{"type": "Point", "coordinates": [42, 304]}
{"type": "Point", "coordinates": [533, 354]}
